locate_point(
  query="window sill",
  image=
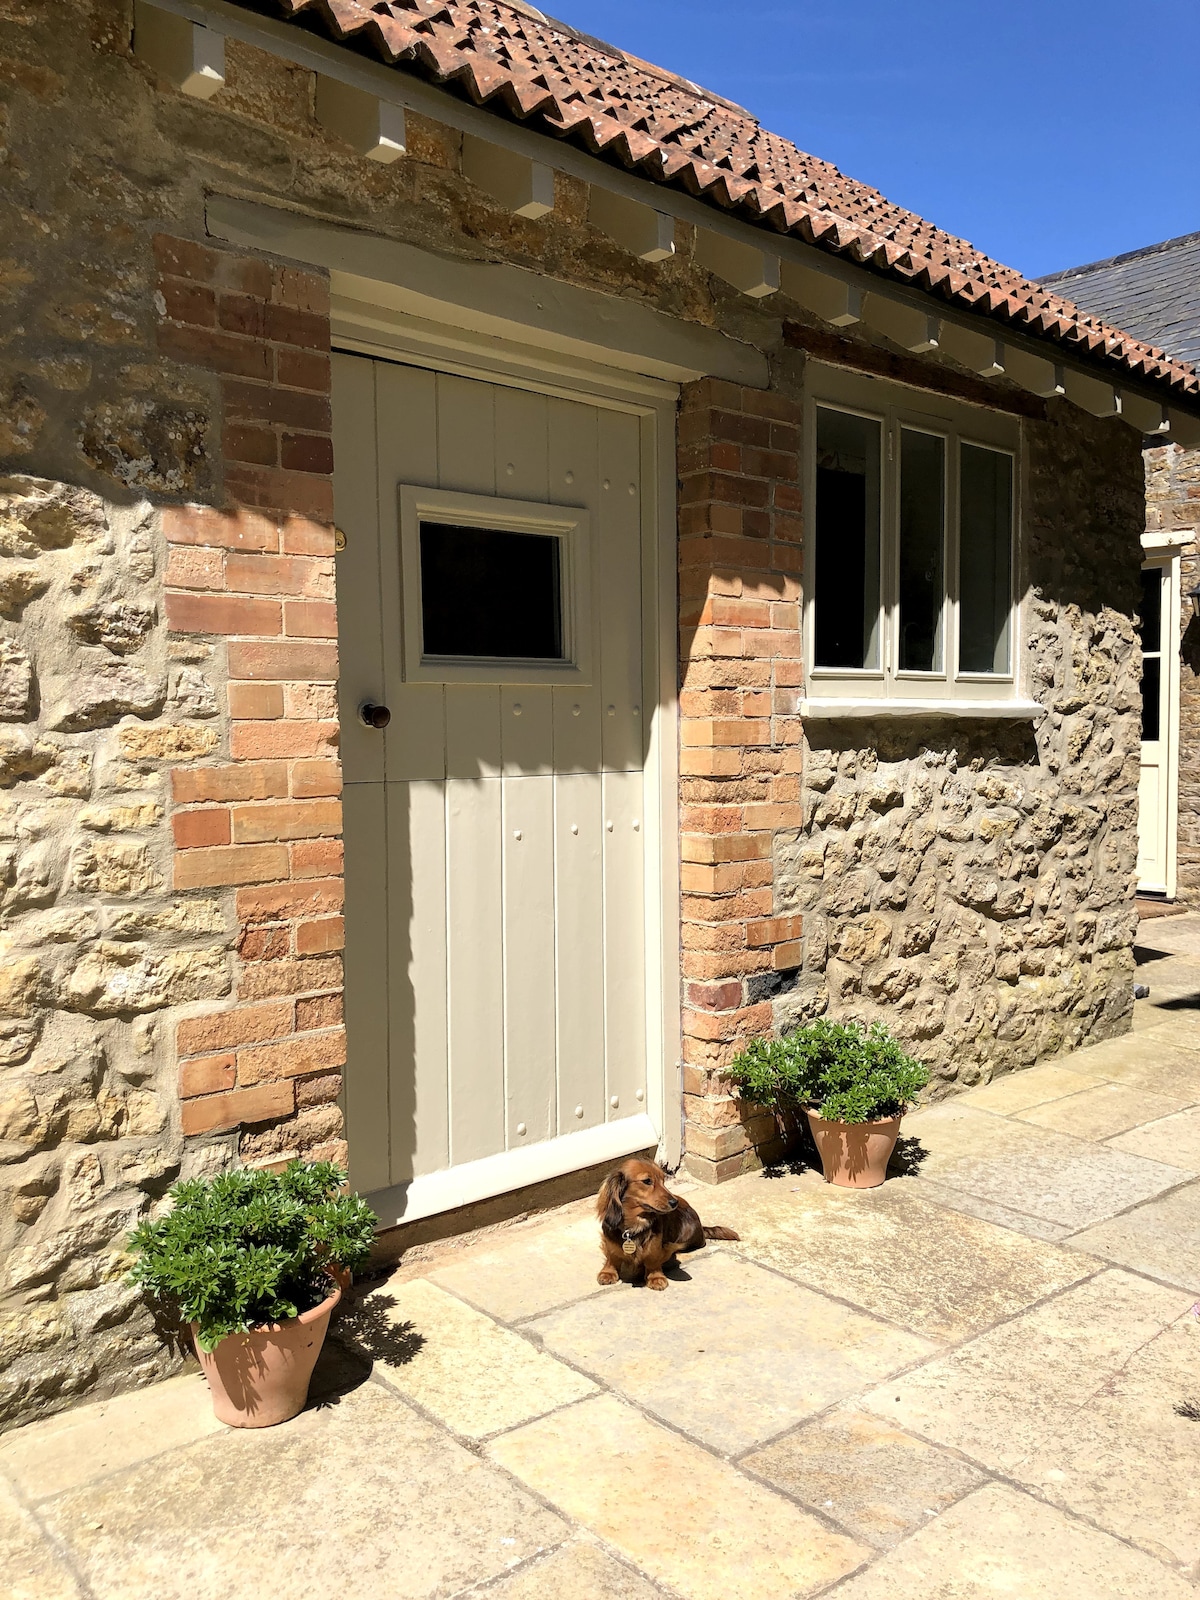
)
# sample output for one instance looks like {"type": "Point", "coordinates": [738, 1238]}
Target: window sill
{"type": "Point", "coordinates": [1010, 710]}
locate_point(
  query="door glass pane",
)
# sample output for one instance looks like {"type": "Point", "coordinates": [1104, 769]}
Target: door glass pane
{"type": "Point", "coordinates": [985, 560]}
{"type": "Point", "coordinates": [846, 578]}
{"type": "Point", "coordinates": [922, 524]}
{"type": "Point", "coordinates": [488, 592]}
{"type": "Point", "coordinates": [1151, 634]}
{"type": "Point", "coordinates": [1151, 608]}
{"type": "Point", "coordinates": [1151, 697]}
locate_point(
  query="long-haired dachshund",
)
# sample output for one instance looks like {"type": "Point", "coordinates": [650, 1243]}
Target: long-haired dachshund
{"type": "Point", "coordinates": [642, 1225]}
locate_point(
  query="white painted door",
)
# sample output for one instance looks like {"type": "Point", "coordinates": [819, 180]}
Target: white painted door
{"type": "Point", "coordinates": [496, 980]}
{"type": "Point", "coordinates": [1159, 633]}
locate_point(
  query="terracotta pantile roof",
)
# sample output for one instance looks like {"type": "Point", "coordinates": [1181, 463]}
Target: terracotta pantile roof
{"type": "Point", "coordinates": [535, 70]}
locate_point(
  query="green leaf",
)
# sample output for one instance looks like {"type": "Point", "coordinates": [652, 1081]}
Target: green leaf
{"type": "Point", "coordinates": [845, 1072]}
{"type": "Point", "coordinates": [251, 1247]}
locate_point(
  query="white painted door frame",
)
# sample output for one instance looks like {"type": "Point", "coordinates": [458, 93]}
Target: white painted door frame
{"type": "Point", "coordinates": [392, 336]}
{"type": "Point", "coordinates": [1162, 552]}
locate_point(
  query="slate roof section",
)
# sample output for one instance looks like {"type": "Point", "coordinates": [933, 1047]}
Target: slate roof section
{"type": "Point", "coordinates": [1153, 292]}
{"type": "Point", "coordinates": [531, 69]}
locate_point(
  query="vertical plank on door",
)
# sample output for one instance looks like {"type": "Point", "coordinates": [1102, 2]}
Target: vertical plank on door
{"type": "Point", "coordinates": [624, 944]}
{"type": "Point", "coordinates": [619, 597]}
{"type": "Point", "coordinates": [366, 1080]}
{"type": "Point", "coordinates": [473, 747]}
{"type": "Point", "coordinates": [529, 1044]}
{"type": "Point", "coordinates": [356, 507]}
{"type": "Point", "coordinates": [526, 734]}
{"type": "Point", "coordinates": [572, 472]}
{"type": "Point", "coordinates": [466, 455]}
{"type": "Point", "coordinates": [475, 978]}
{"type": "Point", "coordinates": [420, 1122]}
{"type": "Point", "coordinates": [466, 435]}
{"type": "Point", "coordinates": [407, 431]}
{"type": "Point", "coordinates": [579, 950]}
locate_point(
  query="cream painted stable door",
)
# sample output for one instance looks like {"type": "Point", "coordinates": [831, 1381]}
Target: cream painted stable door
{"type": "Point", "coordinates": [1159, 634]}
{"type": "Point", "coordinates": [490, 599]}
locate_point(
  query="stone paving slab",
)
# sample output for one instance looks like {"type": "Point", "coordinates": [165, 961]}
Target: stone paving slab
{"type": "Point", "coordinates": [1170, 1028]}
{"type": "Point", "coordinates": [29, 1568]}
{"type": "Point", "coordinates": [1046, 1174]}
{"type": "Point", "coordinates": [998, 1543]}
{"type": "Point", "coordinates": [1127, 1460]}
{"type": "Point", "coordinates": [1102, 1111]}
{"type": "Point", "coordinates": [580, 1570]}
{"type": "Point", "coordinates": [688, 1520]}
{"type": "Point", "coordinates": [876, 1481]}
{"type": "Point", "coordinates": [734, 1362]}
{"type": "Point", "coordinates": [893, 1253]}
{"type": "Point", "coordinates": [80, 1446]}
{"type": "Point", "coordinates": [454, 1357]}
{"type": "Point", "coordinates": [362, 1500]}
{"type": "Point", "coordinates": [528, 1273]}
{"type": "Point", "coordinates": [1160, 1238]}
{"type": "Point", "coordinates": [1067, 1398]}
{"type": "Point", "coordinates": [1174, 1138]}
{"type": "Point", "coordinates": [1017, 1091]}
{"type": "Point", "coordinates": [1006, 1217]}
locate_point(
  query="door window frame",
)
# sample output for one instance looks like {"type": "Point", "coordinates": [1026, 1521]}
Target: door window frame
{"type": "Point", "coordinates": [570, 525]}
{"type": "Point", "coordinates": [897, 409]}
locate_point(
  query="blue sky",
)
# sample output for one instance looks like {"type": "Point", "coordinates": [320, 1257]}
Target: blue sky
{"type": "Point", "coordinates": [1047, 132]}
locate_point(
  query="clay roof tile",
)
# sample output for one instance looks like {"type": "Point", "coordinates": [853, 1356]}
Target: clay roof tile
{"type": "Point", "coordinates": [506, 54]}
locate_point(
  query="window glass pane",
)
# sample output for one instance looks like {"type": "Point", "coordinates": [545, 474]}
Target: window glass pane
{"type": "Point", "coordinates": [1151, 609]}
{"type": "Point", "coordinates": [985, 560]}
{"type": "Point", "coordinates": [846, 577]}
{"type": "Point", "coordinates": [922, 524]}
{"type": "Point", "coordinates": [1151, 696]}
{"type": "Point", "coordinates": [486, 592]}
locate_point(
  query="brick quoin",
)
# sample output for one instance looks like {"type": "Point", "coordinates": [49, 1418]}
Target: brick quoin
{"type": "Point", "coordinates": [260, 819]}
{"type": "Point", "coordinates": [740, 747]}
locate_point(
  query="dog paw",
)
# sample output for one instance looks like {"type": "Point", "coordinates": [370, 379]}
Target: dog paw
{"type": "Point", "coordinates": [656, 1281]}
{"type": "Point", "coordinates": [607, 1276]}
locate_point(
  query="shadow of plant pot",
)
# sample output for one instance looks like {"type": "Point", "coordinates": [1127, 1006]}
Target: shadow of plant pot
{"type": "Point", "coordinates": [261, 1378]}
{"type": "Point", "coordinates": [855, 1155]}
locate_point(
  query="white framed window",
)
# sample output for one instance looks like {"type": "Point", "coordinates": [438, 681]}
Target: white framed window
{"type": "Point", "coordinates": [910, 580]}
{"type": "Point", "coordinates": [494, 591]}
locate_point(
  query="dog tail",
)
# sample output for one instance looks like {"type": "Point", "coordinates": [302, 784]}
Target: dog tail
{"type": "Point", "coordinates": [721, 1233]}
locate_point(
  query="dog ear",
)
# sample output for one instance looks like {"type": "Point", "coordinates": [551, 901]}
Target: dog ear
{"type": "Point", "coordinates": [609, 1206]}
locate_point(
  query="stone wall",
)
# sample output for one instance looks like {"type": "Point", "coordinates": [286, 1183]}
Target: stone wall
{"type": "Point", "coordinates": [968, 884]}
{"type": "Point", "coordinates": [1173, 504]}
{"type": "Point", "coordinates": [97, 951]}
{"type": "Point", "coordinates": [170, 872]}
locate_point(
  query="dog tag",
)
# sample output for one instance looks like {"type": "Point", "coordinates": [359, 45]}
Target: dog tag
{"type": "Point", "coordinates": [629, 1247]}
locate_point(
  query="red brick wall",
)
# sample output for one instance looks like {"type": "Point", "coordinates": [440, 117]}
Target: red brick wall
{"type": "Point", "coordinates": [739, 585]}
{"type": "Point", "coordinates": [254, 576]}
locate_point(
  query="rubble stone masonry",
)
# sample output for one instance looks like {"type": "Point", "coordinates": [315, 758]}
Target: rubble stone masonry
{"type": "Point", "coordinates": [170, 827]}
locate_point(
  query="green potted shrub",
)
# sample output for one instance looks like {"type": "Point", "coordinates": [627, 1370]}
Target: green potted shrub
{"type": "Point", "coordinates": [854, 1083]}
{"type": "Point", "coordinates": [256, 1262]}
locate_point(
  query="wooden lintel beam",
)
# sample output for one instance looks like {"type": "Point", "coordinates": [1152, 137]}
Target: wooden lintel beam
{"type": "Point", "coordinates": [910, 370]}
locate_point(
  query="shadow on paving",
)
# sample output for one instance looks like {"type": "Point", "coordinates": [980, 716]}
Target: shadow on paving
{"type": "Point", "coordinates": [361, 1336]}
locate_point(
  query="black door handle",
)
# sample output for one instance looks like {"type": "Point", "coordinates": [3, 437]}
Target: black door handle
{"type": "Point", "coordinates": [374, 716]}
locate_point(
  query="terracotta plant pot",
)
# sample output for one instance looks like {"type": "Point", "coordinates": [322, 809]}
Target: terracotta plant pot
{"type": "Point", "coordinates": [260, 1378]}
{"type": "Point", "coordinates": [854, 1155]}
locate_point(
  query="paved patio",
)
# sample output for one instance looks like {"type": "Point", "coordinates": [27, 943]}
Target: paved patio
{"type": "Point", "coordinates": [962, 1384]}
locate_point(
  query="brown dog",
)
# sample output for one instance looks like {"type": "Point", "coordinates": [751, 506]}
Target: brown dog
{"type": "Point", "coordinates": [643, 1225]}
